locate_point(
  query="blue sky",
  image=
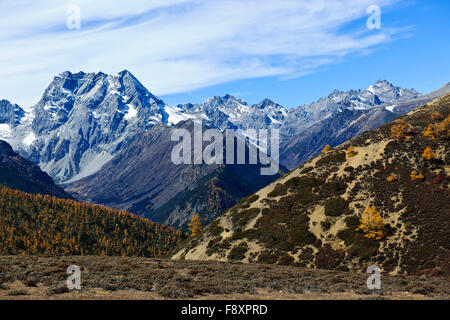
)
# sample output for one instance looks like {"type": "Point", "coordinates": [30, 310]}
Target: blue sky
{"type": "Point", "coordinates": [291, 51]}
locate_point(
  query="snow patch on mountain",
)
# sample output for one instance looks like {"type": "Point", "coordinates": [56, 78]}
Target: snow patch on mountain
{"type": "Point", "coordinates": [5, 131]}
{"type": "Point", "coordinates": [90, 164]}
{"type": "Point", "coordinates": [29, 139]}
{"type": "Point", "coordinates": [84, 119]}
{"type": "Point", "coordinates": [131, 113]}
{"type": "Point", "coordinates": [390, 108]}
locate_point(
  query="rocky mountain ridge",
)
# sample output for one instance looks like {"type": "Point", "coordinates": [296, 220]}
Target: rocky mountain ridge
{"type": "Point", "coordinates": [378, 199]}
{"type": "Point", "coordinates": [21, 174]}
{"type": "Point", "coordinates": [84, 119]}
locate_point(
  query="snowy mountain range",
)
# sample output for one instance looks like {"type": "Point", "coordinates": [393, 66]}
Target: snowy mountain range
{"type": "Point", "coordinates": [84, 119]}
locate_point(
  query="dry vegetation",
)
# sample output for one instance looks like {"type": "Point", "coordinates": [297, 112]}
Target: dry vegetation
{"type": "Point", "coordinates": [314, 216]}
{"type": "Point", "coordinates": [33, 277]}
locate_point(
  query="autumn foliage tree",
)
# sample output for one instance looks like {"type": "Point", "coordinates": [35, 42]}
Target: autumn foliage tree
{"type": "Point", "coordinates": [443, 128]}
{"type": "Point", "coordinates": [371, 223]}
{"type": "Point", "coordinates": [326, 149]}
{"type": "Point", "coordinates": [437, 116]}
{"type": "Point", "coordinates": [195, 225]}
{"type": "Point", "coordinates": [400, 130]}
{"type": "Point", "coordinates": [351, 152]}
{"type": "Point", "coordinates": [429, 132]}
{"type": "Point", "coordinates": [416, 175]}
{"type": "Point", "coordinates": [392, 177]}
{"type": "Point", "coordinates": [428, 154]}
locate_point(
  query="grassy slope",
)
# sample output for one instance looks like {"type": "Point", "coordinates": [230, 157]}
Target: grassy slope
{"type": "Point", "coordinates": [309, 217]}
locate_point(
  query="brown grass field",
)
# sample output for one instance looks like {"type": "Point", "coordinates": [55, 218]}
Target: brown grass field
{"type": "Point", "coordinates": [110, 278]}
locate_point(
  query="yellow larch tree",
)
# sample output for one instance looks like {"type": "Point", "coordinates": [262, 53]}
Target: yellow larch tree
{"type": "Point", "coordinates": [399, 129]}
{"type": "Point", "coordinates": [351, 152]}
{"type": "Point", "coordinates": [428, 153]}
{"type": "Point", "coordinates": [416, 176]}
{"type": "Point", "coordinates": [443, 128]}
{"type": "Point", "coordinates": [392, 177]}
{"type": "Point", "coordinates": [429, 132]}
{"type": "Point", "coordinates": [326, 149]}
{"type": "Point", "coordinates": [371, 223]}
{"type": "Point", "coordinates": [195, 225]}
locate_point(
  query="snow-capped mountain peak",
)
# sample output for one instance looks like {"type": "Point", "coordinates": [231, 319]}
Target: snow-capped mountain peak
{"type": "Point", "coordinates": [83, 119]}
{"type": "Point", "coordinates": [11, 116]}
{"type": "Point", "coordinates": [387, 93]}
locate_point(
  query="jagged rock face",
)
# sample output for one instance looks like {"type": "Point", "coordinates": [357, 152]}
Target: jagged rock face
{"type": "Point", "coordinates": [10, 117]}
{"type": "Point", "coordinates": [382, 92]}
{"type": "Point", "coordinates": [388, 93]}
{"type": "Point", "coordinates": [143, 170]}
{"type": "Point", "coordinates": [83, 120]}
{"type": "Point", "coordinates": [143, 180]}
{"type": "Point", "coordinates": [10, 113]}
{"type": "Point", "coordinates": [292, 122]}
{"type": "Point", "coordinates": [19, 173]}
{"type": "Point", "coordinates": [350, 122]}
{"type": "Point", "coordinates": [313, 216]}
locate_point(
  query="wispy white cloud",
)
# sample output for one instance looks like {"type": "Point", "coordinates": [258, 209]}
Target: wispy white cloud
{"type": "Point", "coordinates": [177, 45]}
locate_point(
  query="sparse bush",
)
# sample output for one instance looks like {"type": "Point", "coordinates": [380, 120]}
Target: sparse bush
{"type": "Point", "coordinates": [216, 245]}
{"type": "Point", "coordinates": [335, 187]}
{"type": "Point", "coordinates": [242, 218]}
{"type": "Point", "coordinates": [267, 257]}
{"type": "Point", "coordinates": [416, 176]}
{"type": "Point", "coordinates": [327, 258]}
{"type": "Point", "coordinates": [215, 229]}
{"type": "Point", "coordinates": [352, 222]}
{"type": "Point", "coordinates": [351, 152]}
{"type": "Point", "coordinates": [437, 116]}
{"type": "Point", "coordinates": [400, 129]}
{"type": "Point", "coordinates": [31, 282]}
{"type": "Point", "coordinates": [326, 225]}
{"type": "Point", "coordinates": [17, 293]}
{"type": "Point", "coordinates": [303, 186]}
{"type": "Point", "coordinates": [60, 289]}
{"type": "Point", "coordinates": [279, 190]}
{"type": "Point", "coordinates": [349, 169]}
{"type": "Point", "coordinates": [253, 198]}
{"type": "Point", "coordinates": [336, 207]}
{"type": "Point", "coordinates": [238, 252]}
{"type": "Point", "coordinates": [392, 177]}
{"type": "Point", "coordinates": [337, 157]}
{"type": "Point", "coordinates": [286, 260]}
{"type": "Point", "coordinates": [299, 183]}
{"type": "Point", "coordinates": [286, 246]}
{"type": "Point", "coordinates": [301, 235]}
{"type": "Point", "coordinates": [306, 170]}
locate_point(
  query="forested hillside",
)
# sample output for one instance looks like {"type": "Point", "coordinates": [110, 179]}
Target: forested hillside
{"type": "Point", "coordinates": [36, 224]}
{"type": "Point", "coordinates": [22, 174]}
